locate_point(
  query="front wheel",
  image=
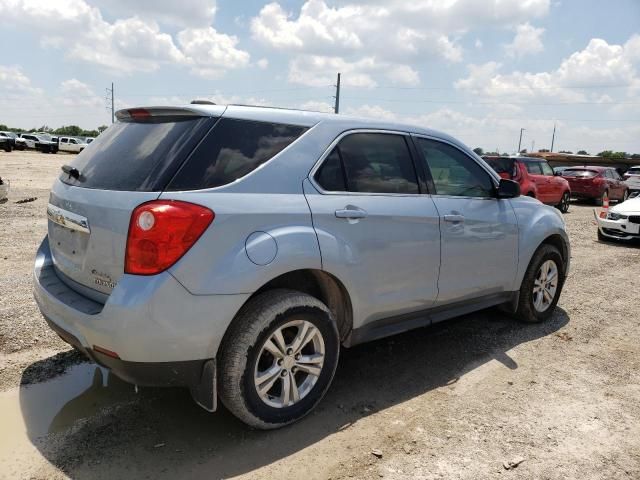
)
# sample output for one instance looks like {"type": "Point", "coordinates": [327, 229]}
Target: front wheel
{"type": "Point", "coordinates": [278, 358]}
{"type": "Point", "coordinates": [563, 206]}
{"type": "Point", "coordinates": [541, 286]}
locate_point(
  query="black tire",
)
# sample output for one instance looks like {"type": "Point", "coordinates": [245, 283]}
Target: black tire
{"type": "Point", "coordinates": [526, 311]}
{"type": "Point", "coordinates": [602, 238]}
{"type": "Point", "coordinates": [600, 200]}
{"type": "Point", "coordinates": [240, 352]}
{"type": "Point", "coordinates": [7, 148]}
{"type": "Point", "coordinates": [563, 206]}
{"type": "Point", "coordinates": [625, 196]}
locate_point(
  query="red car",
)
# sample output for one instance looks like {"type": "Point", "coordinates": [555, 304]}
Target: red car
{"type": "Point", "coordinates": [596, 183]}
{"type": "Point", "coordinates": [536, 179]}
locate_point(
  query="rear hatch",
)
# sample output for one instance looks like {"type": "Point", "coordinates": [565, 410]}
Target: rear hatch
{"type": "Point", "coordinates": [580, 180]}
{"type": "Point", "coordinates": [90, 205]}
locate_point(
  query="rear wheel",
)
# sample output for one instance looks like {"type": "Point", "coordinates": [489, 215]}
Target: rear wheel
{"type": "Point", "coordinates": [278, 358]}
{"type": "Point", "coordinates": [541, 286]}
{"type": "Point", "coordinates": [563, 206]}
{"type": "Point", "coordinates": [625, 196]}
{"type": "Point", "coordinates": [601, 199]}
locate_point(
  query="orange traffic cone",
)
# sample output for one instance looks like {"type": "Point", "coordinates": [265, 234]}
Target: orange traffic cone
{"type": "Point", "coordinates": [605, 207]}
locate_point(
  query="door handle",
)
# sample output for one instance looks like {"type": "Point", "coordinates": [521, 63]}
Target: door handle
{"type": "Point", "coordinates": [454, 218]}
{"type": "Point", "coordinates": [351, 213]}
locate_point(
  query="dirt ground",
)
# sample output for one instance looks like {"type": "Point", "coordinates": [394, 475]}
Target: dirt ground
{"type": "Point", "coordinates": [460, 400]}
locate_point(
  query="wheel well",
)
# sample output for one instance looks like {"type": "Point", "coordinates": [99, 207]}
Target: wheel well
{"type": "Point", "coordinates": [531, 194]}
{"type": "Point", "coordinates": [558, 242]}
{"type": "Point", "coordinates": [321, 285]}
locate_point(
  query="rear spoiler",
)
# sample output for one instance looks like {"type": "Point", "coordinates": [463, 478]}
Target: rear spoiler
{"type": "Point", "coordinates": [141, 113]}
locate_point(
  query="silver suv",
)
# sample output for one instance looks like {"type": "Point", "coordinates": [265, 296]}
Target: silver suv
{"type": "Point", "coordinates": [234, 250]}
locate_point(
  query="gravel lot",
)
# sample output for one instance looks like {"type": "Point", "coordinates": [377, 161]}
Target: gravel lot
{"type": "Point", "coordinates": [479, 397]}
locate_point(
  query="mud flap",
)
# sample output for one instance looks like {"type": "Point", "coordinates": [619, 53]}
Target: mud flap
{"type": "Point", "coordinates": [204, 393]}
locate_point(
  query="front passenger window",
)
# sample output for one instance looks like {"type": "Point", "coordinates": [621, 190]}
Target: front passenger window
{"type": "Point", "coordinates": [455, 173]}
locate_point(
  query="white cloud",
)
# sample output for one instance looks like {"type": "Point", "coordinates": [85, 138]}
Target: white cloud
{"type": "Point", "coordinates": [211, 53]}
{"type": "Point", "coordinates": [320, 71]}
{"type": "Point", "coordinates": [400, 33]}
{"type": "Point", "coordinates": [125, 45]}
{"type": "Point", "coordinates": [262, 63]}
{"type": "Point", "coordinates": [599, 64]}
{"type": "Point", "coordinates": [78, 94]}
{"type": "Point", "coordinates": [526, 41]}
{"type": "Point", "coordinates": [317, 106]}
{"type": "Point", "coordinates": [186, 13]}
{"type": "Point", "coordinates": [14, 81]}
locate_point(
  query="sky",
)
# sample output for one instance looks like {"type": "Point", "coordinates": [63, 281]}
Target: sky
{"type": "Point", "coordinates": [479, 70]}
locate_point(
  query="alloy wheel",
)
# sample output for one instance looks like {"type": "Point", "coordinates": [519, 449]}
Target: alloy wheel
{"type": "Point", "coordinates": [289, 364]}
{"type": "Point", "coordinates": [545, 286]}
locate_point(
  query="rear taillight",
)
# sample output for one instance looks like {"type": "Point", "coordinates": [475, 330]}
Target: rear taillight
{"type": "Point", "coordinates": [161, 232]}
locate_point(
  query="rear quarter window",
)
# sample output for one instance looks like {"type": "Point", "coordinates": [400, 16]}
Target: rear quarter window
{"type": "Point", "coordinates": [231, 150]}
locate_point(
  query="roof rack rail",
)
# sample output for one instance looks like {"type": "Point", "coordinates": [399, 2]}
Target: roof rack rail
{"type": "Point", "coordinates": [202, 102]}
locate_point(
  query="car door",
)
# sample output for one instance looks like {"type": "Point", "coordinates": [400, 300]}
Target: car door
{"type": "Point", "coordinates": [478, 232]}
{"type": "Point", "coordinates": [617, 184]}
{"type": "Point", "coordinates": [554, 185]}
{"type": "Point", "coordinates": [378, 232]}
{"type": "Point", "coordinates": [534, 168]}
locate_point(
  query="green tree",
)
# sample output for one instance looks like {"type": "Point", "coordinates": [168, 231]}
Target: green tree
{"type": "Point", "coordinates": [478, 151]}
{"type": "Point", "coordinates": [102, 128]}
{"type": "Point", "coordinates": [582, 152]}
{"type": "Point", "coordinates": [566, 151]}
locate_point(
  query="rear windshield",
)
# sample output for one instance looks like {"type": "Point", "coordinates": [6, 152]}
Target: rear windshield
{"type": "Point", "coordinates": [138, 156]}
{"type": "Point", "coordinates": [633, 171]}
{"type": "Point", "coordinates": [579, 173]}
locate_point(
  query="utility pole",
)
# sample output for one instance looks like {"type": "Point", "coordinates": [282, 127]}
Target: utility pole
{"type": "Point", "coordinates": [553, 137]}
{"type": "Point", "coordinates": [336, 108]}
{"type": "Point", "coordinates": [520, 141]}
{"type": "Point", "coordinates": [110, 97]}
{"type": "Point", "coordinates": [533, 145]}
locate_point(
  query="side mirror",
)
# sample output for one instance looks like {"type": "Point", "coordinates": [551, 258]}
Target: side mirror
{"type": "Point", "coordinates": [508, 189]}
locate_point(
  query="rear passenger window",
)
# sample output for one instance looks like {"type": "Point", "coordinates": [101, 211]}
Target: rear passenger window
{"type": "Point", "coordinates": [233, 149]}
{"type": "Point", "coordinates": [372, 163]}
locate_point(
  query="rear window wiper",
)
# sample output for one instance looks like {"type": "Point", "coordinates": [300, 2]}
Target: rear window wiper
{"type": "Point", "coordinates": [71, 171]}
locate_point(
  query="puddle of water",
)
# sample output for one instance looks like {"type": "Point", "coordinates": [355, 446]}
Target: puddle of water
{"type": "Point", "coordinates": [31, 411]}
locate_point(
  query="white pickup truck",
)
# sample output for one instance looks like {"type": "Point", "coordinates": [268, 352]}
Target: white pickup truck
{"type": "Point", "coordinates": [67, 144]}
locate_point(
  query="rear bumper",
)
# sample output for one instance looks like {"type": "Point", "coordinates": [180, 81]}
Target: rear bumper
{"type": "Point", "coordinates": [154, 374]}
{"type": "Point", "coordinates": [150, 319]}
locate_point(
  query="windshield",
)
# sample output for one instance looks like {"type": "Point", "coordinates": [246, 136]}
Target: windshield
{"type": "Point", "coordinates": [634, 171]}
{"type": "Point", "coordinates": [579, 173]}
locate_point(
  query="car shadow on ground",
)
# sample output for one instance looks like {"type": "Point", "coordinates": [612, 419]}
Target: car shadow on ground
{"type": "Point", "coordinates": [161, 431]}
